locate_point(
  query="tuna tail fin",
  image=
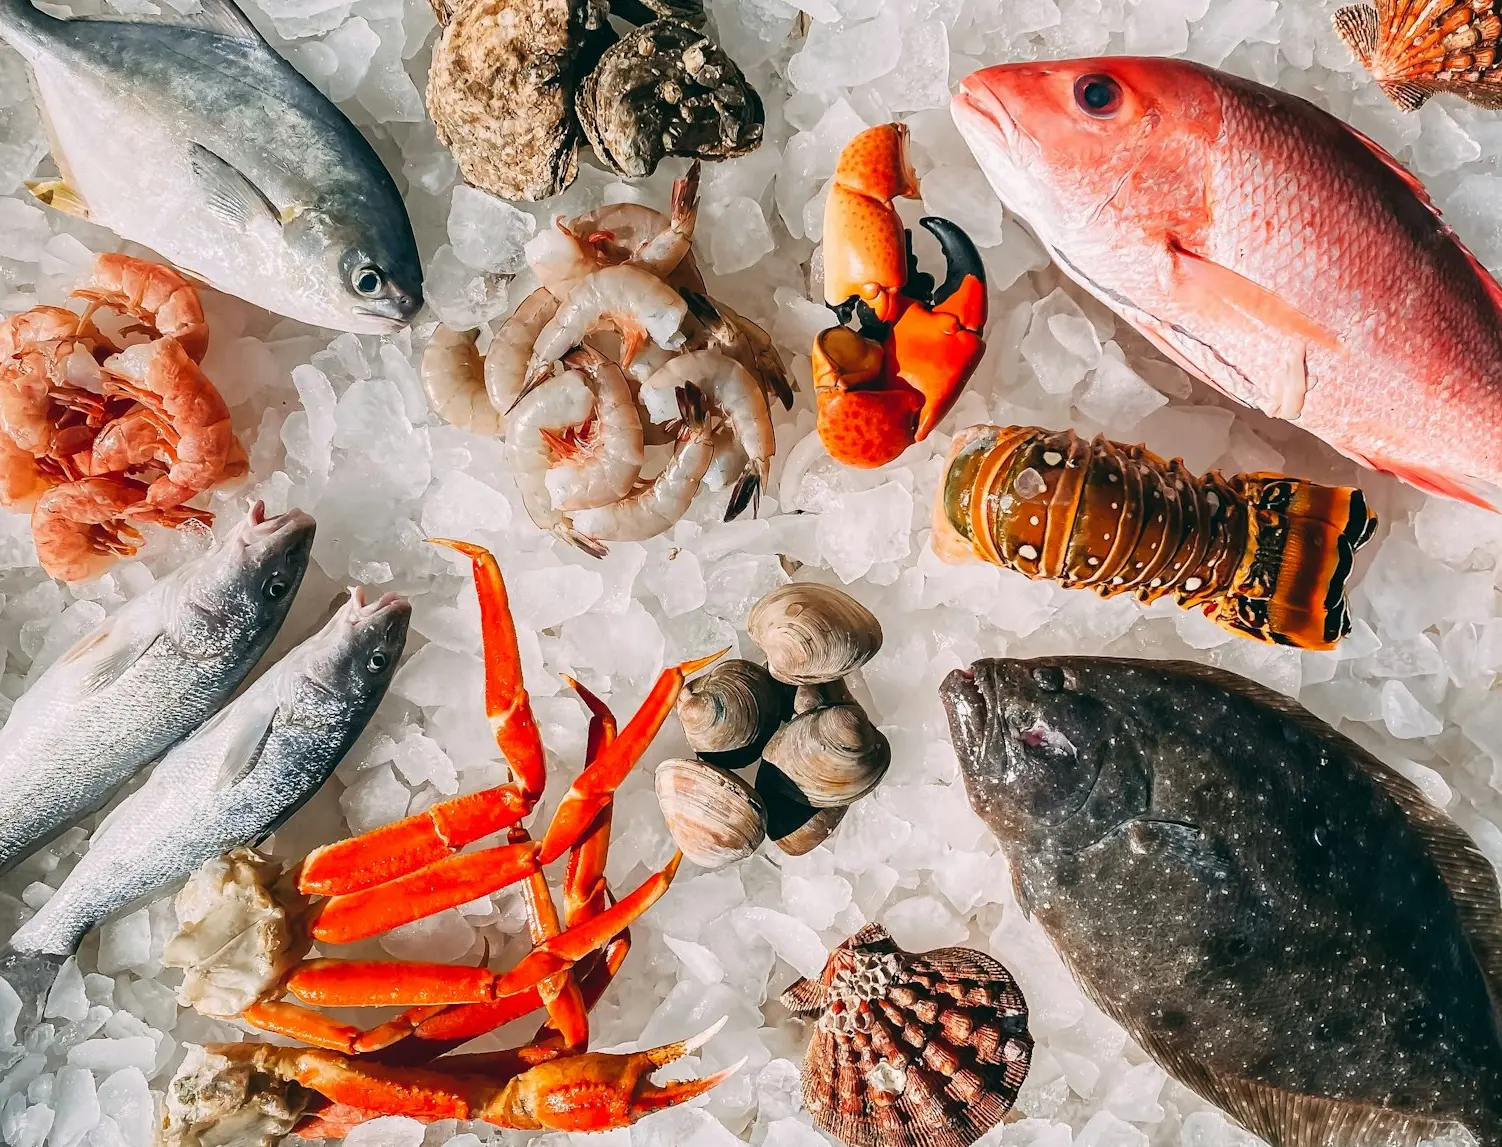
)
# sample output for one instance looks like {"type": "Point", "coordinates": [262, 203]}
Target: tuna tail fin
{"type": "Point", "coordinates": [1302, 537]}
{"type": "Point", "coordinates": [29, 975]}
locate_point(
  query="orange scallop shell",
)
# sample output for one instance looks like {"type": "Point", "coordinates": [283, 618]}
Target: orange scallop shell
{"type": "Point", "coordinates": [1416, 48]}
{"type": "Point", "coordinates": [911, 1049]}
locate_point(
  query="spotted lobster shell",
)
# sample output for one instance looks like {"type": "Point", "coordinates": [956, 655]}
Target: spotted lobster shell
{"type": "Point", "coordinates": [1415, 48]}
{"type": "Point", "coordinates": [1262, 555]}
{"type": "Point", "coordinates": [911, 1049]}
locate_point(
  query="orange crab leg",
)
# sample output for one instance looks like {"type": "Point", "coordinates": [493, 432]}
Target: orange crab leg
{"type": "Point", "coordinates": [319, 1030]}
{"type": "Point", "coordinates": [594, 788]}
{"type": "Point", "coordinates": [584, 889]}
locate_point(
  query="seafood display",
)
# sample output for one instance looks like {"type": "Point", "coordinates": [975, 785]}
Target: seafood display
{"type": "Point", "coordinates": [154, 671]}
{"type": "Point", "coordinates": [1279, 919]}
{"type": "Point", "coordinates": [237, 778]}
{"type": "Point", "coordinates": [1344, 304]}
{"type": "Point", "coordinates": [512, 85]}
{"type": "Point", "coordinates": [886, 387]}
{"type": "Point", "coordinates": [1415, 51]}
{"type": "Point", "coordinates": [190, 135]}
{"type": "Point", "coordinates": [248, 928]}
{"type": "Point", "coordinates": [1263, 555]}
{"type": "Point", "coordinates": [100, 434]}
{"type": "Point", "coordinates": [923, 1048]}
{"type": "Point", "coordinates": [618, 345]}
{"type": "Point", "coordinates": [818, 751]}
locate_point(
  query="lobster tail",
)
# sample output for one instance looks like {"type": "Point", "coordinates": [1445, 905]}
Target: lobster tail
{"type": "Point", "coordinates": [1302, 539]}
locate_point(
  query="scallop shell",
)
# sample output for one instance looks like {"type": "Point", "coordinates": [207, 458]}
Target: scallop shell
{"type": "Point", "coordinates": [793, 824]}
{"type": "Point", "coordinates": [813, 633]}
{"type": "Point", "coordinates": [715, 817]}
{"type": "Point", "coordinates": [833, 754]}
{"type": "Point", "coordinates": [911, 1049]}
{"type": "Point", "coordinates": [1415, 48]}
{"type": "Point", "coordinates": [729, 713]}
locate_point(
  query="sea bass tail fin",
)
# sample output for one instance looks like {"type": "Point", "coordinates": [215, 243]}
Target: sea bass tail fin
{"type": "Point", "coordinates": [1302, 538]}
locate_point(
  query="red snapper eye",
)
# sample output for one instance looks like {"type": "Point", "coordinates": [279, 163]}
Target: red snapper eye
{"type": "Point", "coordinates": [1098, 96]}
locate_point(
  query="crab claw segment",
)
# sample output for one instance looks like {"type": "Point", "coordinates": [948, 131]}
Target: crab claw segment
{"type": "Point", "coordinates": [865, 244]}
{"type": "Point", "coordinates": [864, 419]}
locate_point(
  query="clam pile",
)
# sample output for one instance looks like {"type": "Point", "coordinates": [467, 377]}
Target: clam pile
{"type": "Point", "coordinates": [514, 84]}
{"type": "Point", "coordinates": [818, 751]}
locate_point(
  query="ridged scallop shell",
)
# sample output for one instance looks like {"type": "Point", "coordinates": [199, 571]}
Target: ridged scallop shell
{"type": "Point", "coordinates": [813, 633]}
{"type": "Point", "coordinates": [911, 1049]}
{"type": "Point", "coordinates": [833, 754]}
{"type": "Point", "coordinates": [793, 824]}
{"type": "Point", "coordinates": [714, 817]}
{"type": "Point", "coordinates": [1415, 48]}
{"type": "Point", "coordinates": [729, 713]}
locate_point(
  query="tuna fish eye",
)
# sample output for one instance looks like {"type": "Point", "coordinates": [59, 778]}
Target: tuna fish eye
{"type": "Point", "coordinates": [377, 662]}
{"type": "Point", "coordinates": [1049, 678]}
{"type": "Point", "coordinates": [1098, 96]}
{"type": "Point", "coordinates": [368, 281]}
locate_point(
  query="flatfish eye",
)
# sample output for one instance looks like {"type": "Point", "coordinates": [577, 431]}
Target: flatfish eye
{"type": "Point", "coordinates": [1049, 678]}
{"type": "Point", "coordinates": [1098, 96]}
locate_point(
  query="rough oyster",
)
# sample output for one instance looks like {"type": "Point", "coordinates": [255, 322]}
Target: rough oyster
{"type": "Point", "coordinates": [911, 1049]}
{"type": "Point", "coordinates": [666, 89]}
{"type": "Point", "coordinates": [645, 11]}
{"type": "Point", "coordinates": [501, 91]}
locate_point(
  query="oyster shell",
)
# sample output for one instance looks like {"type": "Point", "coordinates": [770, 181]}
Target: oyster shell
{"type": "Point", "coordinates": [666, 89]}
{"type": "Point", "coordinates": [833, 754]}
{"type": "Point", "coordinates": [645, 11]}
{"type": "Point", "coordinates": [911, 1049]}
{"type": "Point", "coordinates": [715, 817]}
{"type": "Point", "coordinates": [729, 713]}
{"type": "Point", "coordinates": [813, 633]}
{"type": "Point", "coordinates": [793, 824]}
{"type": "Point", "coordinates": [501, 91]}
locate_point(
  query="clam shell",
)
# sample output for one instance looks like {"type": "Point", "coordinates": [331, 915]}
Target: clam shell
{"type": "Point", "coordinates": [793, 824]}
{"type": "Point", "coordinates": [729, 713]}
{"type": "Point", "coordinates": [834, 754]}
{"type": "Point", "coordinates": [911, 1049]}
{"type": "Point", "coordinates": [715, 817]}
{"type": "Point", "coordinates": [818, 696]}
{"type": "Point", "coordinates": [813, 633]}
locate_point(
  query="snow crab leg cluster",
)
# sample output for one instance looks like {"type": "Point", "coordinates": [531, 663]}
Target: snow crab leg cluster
{"type": "Point", "coordinates": [621, 348]}
{"type": "Point", "coordinates": [100, 433]}
{"type": "Point", "coordinates": [412, 868]}
{"type": "Point", "coordinates": [886, 386]}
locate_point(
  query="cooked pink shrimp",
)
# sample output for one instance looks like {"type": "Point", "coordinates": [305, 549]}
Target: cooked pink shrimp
{"type": "Point", "coordinates": [453, 376]}
{"type": "Point", "coordinates": [658, 505]}
{"type": "Point", "coordinates": [22, 480]}
{"type": "Point", "coordinates": [511, 349]}
{"type": "Point", "coordinates": [34, 350]}
{"type": "Point", "coordinates": [732, 390]}
{"type": "Point", "coordinates": [565, 254]}
{"type": "Point", "coordinates": [81, 528]}
{"type": "Point", "coordinates": [160, 299]}
{"type": "Point", "coordinates": [636, 303]}
{"type": "Point", "coordinates": [194, 439]}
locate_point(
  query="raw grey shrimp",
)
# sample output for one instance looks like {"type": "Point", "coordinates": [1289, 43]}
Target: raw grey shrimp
{"type": "Point", "coordinates": [721, 329]}
{"type": "Point", "coordinates": [601, 464]}
{"type": "Point", "coordinates": [453, 375]}
{"type": "Point", "coordinates": [565, 254]}
{"type": "Point", "coordinates": [658, 505]}
{"type": "Point", "coordinates": [192, 439]}
{"type": "Point", "coordinates": [738, 396]}
{"type": "Point", "coordinates": [636, 303]}
{"type": "Point", "coordinates": [81, 528]}
{"type": "Point", "coordinates": [511, 349]}
{"type": "Point", "coordinates": [540, 418]}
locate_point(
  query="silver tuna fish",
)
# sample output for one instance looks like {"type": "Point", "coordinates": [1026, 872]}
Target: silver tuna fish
{"type": "Point", "coordinates": [236, 779]}
{"type": "Point", "coordinates": [145, 679]}
{"type": "Point", "coordinates": [196, 139]}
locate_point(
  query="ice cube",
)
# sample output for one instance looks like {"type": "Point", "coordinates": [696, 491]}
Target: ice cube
{"type": "Point", "coordinates": [353, 44]}
{"type": "Point", "coordinates": [23, 231]}
{"type": "Point", "coordinates": [697, 960]}
{"type": "Point", "coordinates": [67, 999]}
{"type": "Point", "coordinates": [740, 236]}
{"type": "Point", "coordinates": [375, 799]}
{"type": "Point", "coordinates": [111, 1055]}
{"type": "Point", "coordinates": [77, 1106]}
{"type": "Point", "coordinates": [867, 527]}
{"type": "Point", "coordinates": [462, 297]}
{"type": "Point", "coordinates": [847, 54]}
{"type": "Point", "coordinates": [420, 761]}
{"type": "Point", "coordinates": [792, 1133]}
{"type": "Point", "coordinates": [489, 234]}
{"type": "Point", "coordinates": [962, 195]}
{"type": "Point", "coordinates": [1403, 714]}
{"type": "Point", "coordinates": [441, 938]}
{"type": "Point", "coordinates": [125, 943]}
{"type": "Point", "coordinates": [794, 941]}
{"type": "Point", "coordinates": [1135, 1096]}
{"type": "Point", "coordinates": [815, 900]}
{"type": "Point", "coordinates": [125, 1098]}
{"type": "Point", "coordinates": [920, 78]}
{"type": "Point", "coordinates": [920, 923]}
{"type": "Point", "coordinates": [23, 1126]}
{"type": "Point", "coordinates": [1116, 397]}
{"type": "Point", "coordinates": [387, 1131]}
{"type": "Point", "coordinates": [1106, 1130]}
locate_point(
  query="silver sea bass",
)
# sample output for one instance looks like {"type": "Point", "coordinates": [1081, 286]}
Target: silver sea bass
{"type": "Point", "coordinates": [189, 134]}
{"type": "Point", "coordinates": [145, 679]}
{"type": "Point", "coordinates": [236, 779]}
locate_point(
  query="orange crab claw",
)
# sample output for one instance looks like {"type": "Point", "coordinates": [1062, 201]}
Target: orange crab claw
{"type": "Point", "coordinates": [865, 247]}
{"type": "Point", "coordinates": [863, 420]}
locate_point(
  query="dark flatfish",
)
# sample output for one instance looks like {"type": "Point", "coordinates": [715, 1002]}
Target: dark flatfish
{"type": "Point", "coordinates": [1283, 922]}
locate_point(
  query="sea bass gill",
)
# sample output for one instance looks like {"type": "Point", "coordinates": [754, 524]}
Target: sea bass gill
{"type": "Point", "coordinates": [1264, 246]}
{"type": "Point", "coordinates": [147, 677]}
{"type": "Point", "coordinates": [237, 778]}
{"type": "Point", "coordinates": [1284, 923]}
{"type": "Point", "coordinates": [189, 134]}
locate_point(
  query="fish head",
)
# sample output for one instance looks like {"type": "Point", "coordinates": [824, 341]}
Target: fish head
{"type": "Point", "coordinates": [249, 579]}
{"type": "Point", "coordinates": [1032, 737]}
{"type": "Point", "coordinates": [368, 278]}
{"type": "Point", "coordinates": [352, 659]}
{"type": "Point", "coordinates": [1107, 144]}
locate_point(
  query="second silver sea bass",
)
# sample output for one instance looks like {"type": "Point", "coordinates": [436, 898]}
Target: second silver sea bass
{"type": "Point", "coordinates": [1262, 245]}
{"type": "Point", "coordinates": [193, 137]}
{"type": "Point", "coordinates": [147, 677]}
{"type": "Point", "coordinates": [236, 779]}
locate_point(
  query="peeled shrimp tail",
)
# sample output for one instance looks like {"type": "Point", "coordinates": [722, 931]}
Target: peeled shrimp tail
{"type": "Point", "coordinates": [81, 528]}
{"type": "Point", "coordinates": [453, 375]}
{"type": "Point", "coordinates": [666, 250]}
{"type": "Point", "coordinates": [511, 350]}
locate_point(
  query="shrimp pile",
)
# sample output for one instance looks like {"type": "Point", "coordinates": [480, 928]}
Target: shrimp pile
{"type": "Point", "coordinates": [102, 432]}
{"type": "Point", "coordinates": [619, 349]}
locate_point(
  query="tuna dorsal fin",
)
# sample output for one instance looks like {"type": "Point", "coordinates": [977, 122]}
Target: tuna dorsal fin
{"type": "Point", "coordinates": [221, 17]}
{"type": "Point", "coordinates": [229, 194]}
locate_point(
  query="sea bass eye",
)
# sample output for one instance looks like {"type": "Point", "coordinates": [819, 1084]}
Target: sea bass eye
{"type": "Point", "coordinates": [377, 662]}
{"type": "Point", "coordinates": [1098, 96]}
{"type": "Point", "coordinates": [368, 281]}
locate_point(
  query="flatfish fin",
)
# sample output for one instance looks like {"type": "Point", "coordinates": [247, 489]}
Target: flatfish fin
{"type": "Point", "coordinates": [229, 193]}
{"type": "Point", "coordinates": [58, 195]}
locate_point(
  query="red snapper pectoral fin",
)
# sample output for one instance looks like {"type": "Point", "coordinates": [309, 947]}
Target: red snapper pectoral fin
{"type": "Point", "coordinates": [1227, 297]}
